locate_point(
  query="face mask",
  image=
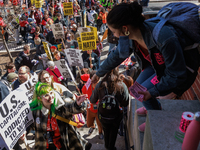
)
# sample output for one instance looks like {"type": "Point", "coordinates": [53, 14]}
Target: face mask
{"type": "Point", "coordinates": [68, 38]}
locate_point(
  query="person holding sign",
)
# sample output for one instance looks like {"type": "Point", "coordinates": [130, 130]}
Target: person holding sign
{"type": "Point", "coordinates": [91, 58]}
{"type": "Point", "coordinates": [51, 114]}
{"type": "Point", "coordinates": [59, 20]}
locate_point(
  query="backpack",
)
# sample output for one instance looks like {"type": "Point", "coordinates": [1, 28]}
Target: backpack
{"type": "Point", "coordinates": [37, 39]}
{"type": "Point", "coordinates": [183, 15]}
{"type": "Point", "coordinates": [108, 107]}
{"type": "Point", "coordinates": [18, 62]}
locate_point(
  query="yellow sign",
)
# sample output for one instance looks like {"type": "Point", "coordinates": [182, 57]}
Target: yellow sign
{"type": "Point", "coordinates": [88, 40]}
{"type": "Point", "coordinates": [33, 2]}
{"type": "Point", "coordinates": [80, 45]}
{"type": "Point", "coordinates": [38, 3]}
{"type": "Point", "coordinates": [93, 29]}
{"type": "Point", "coordinates": [59, 47]}
{"type": "Point", "coordinates": [46, 48]}
{"type": "Point", "coordinates": [68, 8]}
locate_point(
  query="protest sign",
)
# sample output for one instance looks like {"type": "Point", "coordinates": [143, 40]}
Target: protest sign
{"type": "Point", "coordinates": [33, 2]}
{"type": "Point", "coordinates": [62, 67]}
{"type": "Point", "coordinates": [88, 40]}
{"type": "Point", "coordinates": [94, 29]}
{"type": "Point", "coordinates": [74, 57]}
{"type": "Point", "coordinates": [46, 48]}
{"type": "Point", "coordinates": [83, 29]}
{"type": "Point", "coordinates": [68, 8]}
{"type": "Point", "coordinates": [80, 45]}
{"type": "Point", "coordinates": [58, 31]}
{"type": "Point", "coordinates": [15, 117]}
{"type": "Point", "coordinates": [38, 3]}
{"type": "Point", "coordinates": [59, 47]}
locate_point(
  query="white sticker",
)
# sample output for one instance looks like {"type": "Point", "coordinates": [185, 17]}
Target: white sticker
{"type": "Point", "coordinates": [38, 120]}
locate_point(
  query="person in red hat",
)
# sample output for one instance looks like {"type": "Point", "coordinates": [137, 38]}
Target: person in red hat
{"type": "Point", "coordinates": [53, 49]}
{"type": "Point", "coordinates": [92, 108]}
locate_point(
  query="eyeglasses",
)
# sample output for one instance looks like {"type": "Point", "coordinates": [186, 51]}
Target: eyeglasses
{"type": "Point", "coordinates": [21, 74]}
{"type": "Point", "coordinates": [47, 96]}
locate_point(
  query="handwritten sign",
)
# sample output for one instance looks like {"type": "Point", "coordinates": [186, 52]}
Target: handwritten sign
{"type": "Point", "coordinates": [15, 113]}
{"type": "Point", "coordinates": [62, 67]}
{"type": "Point", "coordinates": [68, 8]}
{"type": "Point", "coordinates": [46, 48]}
{"type": "Point", "coordinates": [88, 40]}
{"type": "Point", "coordinates": [58, 31]}
{"type": "Point", "coordinates": [74, 57]}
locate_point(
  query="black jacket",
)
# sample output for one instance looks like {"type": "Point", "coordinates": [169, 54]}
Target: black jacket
{"type": "Point", "coordinates": [26, 60]}
{"type": "Point", "coordinates": [95, 59]}
{"type": "Point", "coordinates": [61, 21]}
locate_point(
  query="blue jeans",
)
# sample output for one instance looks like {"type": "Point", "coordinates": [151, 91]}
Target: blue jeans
{"type": "Point", "coordinates": [103, 28]}
{"type": "Point", "coordinates": [145, 80]}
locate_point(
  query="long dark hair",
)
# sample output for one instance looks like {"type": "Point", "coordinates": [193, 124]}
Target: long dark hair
{"type": "Point", "coordinates": [126, 14]}
{"type": "Point", "coordinates": [112, 81]}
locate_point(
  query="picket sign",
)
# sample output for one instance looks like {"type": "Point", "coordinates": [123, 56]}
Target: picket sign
{"type": "Point", "coordinates": [68, 8]}
{"type": "Point", "coordinates": [15, 113]}
{"type": "Point", "coordinates": [38, 3]}
{"type": "Point", "coordinates": [74, 57]}
{"type": "Point", "coordinates": [94, 29]}
{"type": "Point", "coordinates": [65, 71]}
{"type": "Point", "coordinates": [88, 40]}
{"type": "Point", "coordinates": [47, 50]}
{"type": "Point", "coordinates": [58, 31]}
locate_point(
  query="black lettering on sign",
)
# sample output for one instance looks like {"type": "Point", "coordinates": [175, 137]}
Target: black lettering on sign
{"type": "Point", "coordinates": [4, 112]}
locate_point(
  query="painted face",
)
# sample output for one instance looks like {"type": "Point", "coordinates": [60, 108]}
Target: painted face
{"type": "Point", "coordinates": [46, 78]}
{"type": "Point", "coordinates": [116, 32]}
{"type": "Point", "coordinates": [47, 99]}
{"type": "Point", "coordinates": [23, 75]}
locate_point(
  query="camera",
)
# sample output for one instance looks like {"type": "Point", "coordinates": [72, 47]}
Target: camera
{"type": "Point", "coordinates": [49, 137]}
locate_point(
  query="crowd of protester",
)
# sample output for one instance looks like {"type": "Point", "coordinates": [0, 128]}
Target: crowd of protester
{"type": "Point", "coordinates": [34, 25]}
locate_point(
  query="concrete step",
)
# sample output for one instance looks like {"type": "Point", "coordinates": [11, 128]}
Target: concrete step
{"type": "Point", "coordinates": [175, 108]}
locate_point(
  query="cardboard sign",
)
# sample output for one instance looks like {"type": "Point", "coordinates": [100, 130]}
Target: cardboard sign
{"type": "Point", "coordinates": [46, 48]}
{"type": "Point", "coordinates": [80, 45]}
{"type": "Point", "coordinates": [88, 40]}
{"type": "Point", "coordinates": [63, 68]}
{"type": "Point", "coordinates": [59, 47]}
{"type": "Point", "coordinates": [58, 31]}
{"type": "Point", "coordinates": [68, 8]}
{"type": "Point", "coordinates": [94, 29]}
{"type": "Point", "coordinates": [15, 113]}
{"type": "Point", "coordinates": [38, 3]}
{"type": "Point", "coordinates": [74, 57]}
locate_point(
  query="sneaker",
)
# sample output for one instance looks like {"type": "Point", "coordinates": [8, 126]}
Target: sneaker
{"type": "Point", "coordinates": [90, 131]}
{"type": "Point", "coordinates": [141, 111]}
{"type": "Point", "coordinates": [141, 128]}
{"type": "Point", "coordinates": [101, 136]}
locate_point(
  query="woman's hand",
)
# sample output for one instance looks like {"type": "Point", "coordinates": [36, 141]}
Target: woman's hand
{"type": "Point", "coordinates": [80, 99]}
{"type": "Point", "coordinates": [169, 96]}
{"type": "Point", "coordinates": [23, 136]}
{"type": "Point", "coordinates": [146, 94]}
{"type": "Point", "coordinates": [95, 78]}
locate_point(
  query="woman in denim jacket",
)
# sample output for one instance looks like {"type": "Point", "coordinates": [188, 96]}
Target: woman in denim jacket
{"type": "Point", "coordinates": [168, 71]}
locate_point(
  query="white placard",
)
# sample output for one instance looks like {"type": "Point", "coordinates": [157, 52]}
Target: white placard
{"type": "Point", "coordinates": [62, 67]}
{"type": "Point", "coordinates": [88, 83]}
{"type": "Point", "coordinates": [74, 57]}
{"type": "Point", "coordinates": [58, 31]}
{"type": "Point", "coordinates": [15, 117]}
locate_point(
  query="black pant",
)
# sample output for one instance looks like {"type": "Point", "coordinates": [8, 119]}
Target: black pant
{"type": "Point", "coordinates": [110, 129]}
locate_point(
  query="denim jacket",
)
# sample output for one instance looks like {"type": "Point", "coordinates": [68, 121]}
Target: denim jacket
{"type": "Point", "coordinates": [166, 57]}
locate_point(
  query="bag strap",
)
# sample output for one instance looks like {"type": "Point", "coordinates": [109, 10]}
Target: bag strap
{"type": "Point", "coordinates": [65, 120]}
{"type": "Point", "coordinates": [54, 73]}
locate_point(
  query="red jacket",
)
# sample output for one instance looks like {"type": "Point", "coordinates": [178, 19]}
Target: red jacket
{"type": "Point", "coordinates": [2, 24]}
{"type": "Point", "coordinates": [23, 23]}
{"type": "Point", "coordinates": [37, 17]}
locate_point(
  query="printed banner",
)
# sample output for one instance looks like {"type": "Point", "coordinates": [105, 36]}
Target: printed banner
{"type": "Point", "coordinates": [68, 8]}
{"type": "Point", "coordinates": [74, 57]}
{"type": "Point", "coordinates": [62, 67]}
{"type": "Point", "coordinates": [58, 31]}
{"type": "Point", "coordinates": [46, 48]}
{"type": "Point", "coordinates": [88, 40]}
{"type": "Point", "coordinates": [15, 113]}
